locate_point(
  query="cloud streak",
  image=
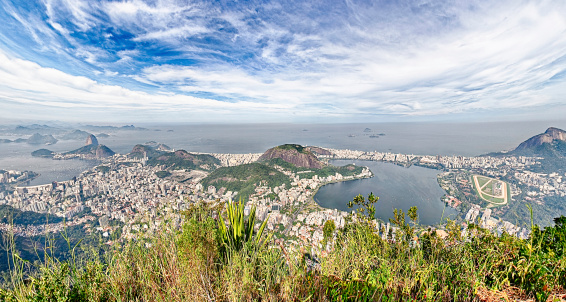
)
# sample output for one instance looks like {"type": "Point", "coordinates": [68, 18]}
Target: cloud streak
{"type": "Point", "coordinates": [305, 59]}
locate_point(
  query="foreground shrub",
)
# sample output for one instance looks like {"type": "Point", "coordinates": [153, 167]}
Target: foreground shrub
{"type": "Point", "coordinates": [363, 264]}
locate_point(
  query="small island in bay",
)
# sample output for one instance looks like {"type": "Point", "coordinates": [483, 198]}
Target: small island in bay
{"type": "Point", "coordinates": [92, 150]}
{"type": "Point", "coordinates": [43, 153]}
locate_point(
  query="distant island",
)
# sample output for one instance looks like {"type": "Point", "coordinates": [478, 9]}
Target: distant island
{"type": "Point", "coordinates": [377, 135]}
{"type": "Point", "coordinates": [91, 150]}
{"type": "Point", "coordinates": [114, 128]}
{"type": "Point", "coordinates": [43, 153]}
{"type": "Point", "coordinates": [35, 139]}
{"type": "Point", "coordinates": [50, 135]}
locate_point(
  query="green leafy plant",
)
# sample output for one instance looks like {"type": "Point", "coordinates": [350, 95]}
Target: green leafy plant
{"type": "Point", "coordinates": [240, 230]}
{"type": "Point", "coordinates": [476, 265]}
{"type": "Point", "coordinates": [400, 221]}
{"type": "Point", "coordinates": [328, 230]}
{"type": "Point", "coordinates": [364, 207]}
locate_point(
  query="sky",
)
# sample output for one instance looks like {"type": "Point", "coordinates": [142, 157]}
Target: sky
{"type": "Point", "coordinates": [282, 61]}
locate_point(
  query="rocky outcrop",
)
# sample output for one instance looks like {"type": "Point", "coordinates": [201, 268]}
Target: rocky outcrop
{"type": "Point", "coordinates": [549, 136]}
{"type": "Point", "coordinates": [91, 140]}
{"type": "Point", "coordinates": [293, 154]}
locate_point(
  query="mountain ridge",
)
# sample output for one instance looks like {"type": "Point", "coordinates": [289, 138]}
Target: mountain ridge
{"type": "Point", "coordinates": [548, 137]}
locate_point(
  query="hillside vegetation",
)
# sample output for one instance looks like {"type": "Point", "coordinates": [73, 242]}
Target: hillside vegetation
{"type": "Point", "coordinates": [245, 178]}
{"type": "Point", "coordinates": [202, 263]}
{"type": "Point", "coordinates": [176, 160]}
{"type": "Point", "coordinates": [182, 159]}
{"type": "Point", "coordinates": [325, 171]}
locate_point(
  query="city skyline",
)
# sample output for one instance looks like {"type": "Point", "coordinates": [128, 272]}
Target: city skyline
{"type": "Point", "coordinates": [178, 61]}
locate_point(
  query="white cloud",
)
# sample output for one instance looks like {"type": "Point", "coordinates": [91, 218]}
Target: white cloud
{"type": "Point", "coordinates": [367, 59]}
{"type": "Point", "coordinates": [497, 65]}
{"type": "Point", "coordinates": [81, 11]}
{"type": "Point", "coordinates": [173, 33]}
{"type": "Point", "coordinates": [27, 83]}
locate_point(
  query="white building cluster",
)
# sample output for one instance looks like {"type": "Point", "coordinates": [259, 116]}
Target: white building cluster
{"type": "Point", "coordinates": [12, 176]}
{"type": "Point", "coordinates": [497, 225]}
{"type": "Point", "coordinates": [230, 160]}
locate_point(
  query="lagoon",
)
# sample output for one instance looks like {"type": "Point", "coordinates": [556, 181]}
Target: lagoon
{"type": "Point", "coordinates": [396, 186]}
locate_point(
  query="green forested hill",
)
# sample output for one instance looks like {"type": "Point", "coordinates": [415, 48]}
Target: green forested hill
{"type": "Point", "coordinates": [245, 178]}
{"type": "Point", "coordinates": [182, 159]}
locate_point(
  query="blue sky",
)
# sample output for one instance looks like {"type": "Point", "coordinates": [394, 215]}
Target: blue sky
{"type": "Point", "coordinates": [282, 61]}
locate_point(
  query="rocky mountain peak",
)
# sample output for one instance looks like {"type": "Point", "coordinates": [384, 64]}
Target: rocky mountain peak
{"type": "Point", "coordinates": [551, 134]}
{"type": "Point", "coordinates": [294, 154]}
{"type": "Point", "coordinates": [556, 133]}
{"type": "Point", "coordinates": [91, 140]}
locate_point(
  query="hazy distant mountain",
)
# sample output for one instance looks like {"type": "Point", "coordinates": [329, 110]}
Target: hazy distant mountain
{"type": "Point", "coordinates": [294, 154]}
{"type": "Point", "coordinates": [105, 128]}
{"type": "Point", "coordinates": [76, 135]}
{"type": "Point", "coordinates": [35, 139]}
{"type": "Point", "coordinates": [38, 139]}
{"type": "Point", "coordinates": [35, 128]}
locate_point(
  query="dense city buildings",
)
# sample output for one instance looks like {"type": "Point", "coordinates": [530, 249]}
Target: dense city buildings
{"type": "Point", "coordinates": [129, 191]}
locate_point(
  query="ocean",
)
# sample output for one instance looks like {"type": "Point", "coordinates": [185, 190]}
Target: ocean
{"type": "Point", "coordinates": [467, 139]}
